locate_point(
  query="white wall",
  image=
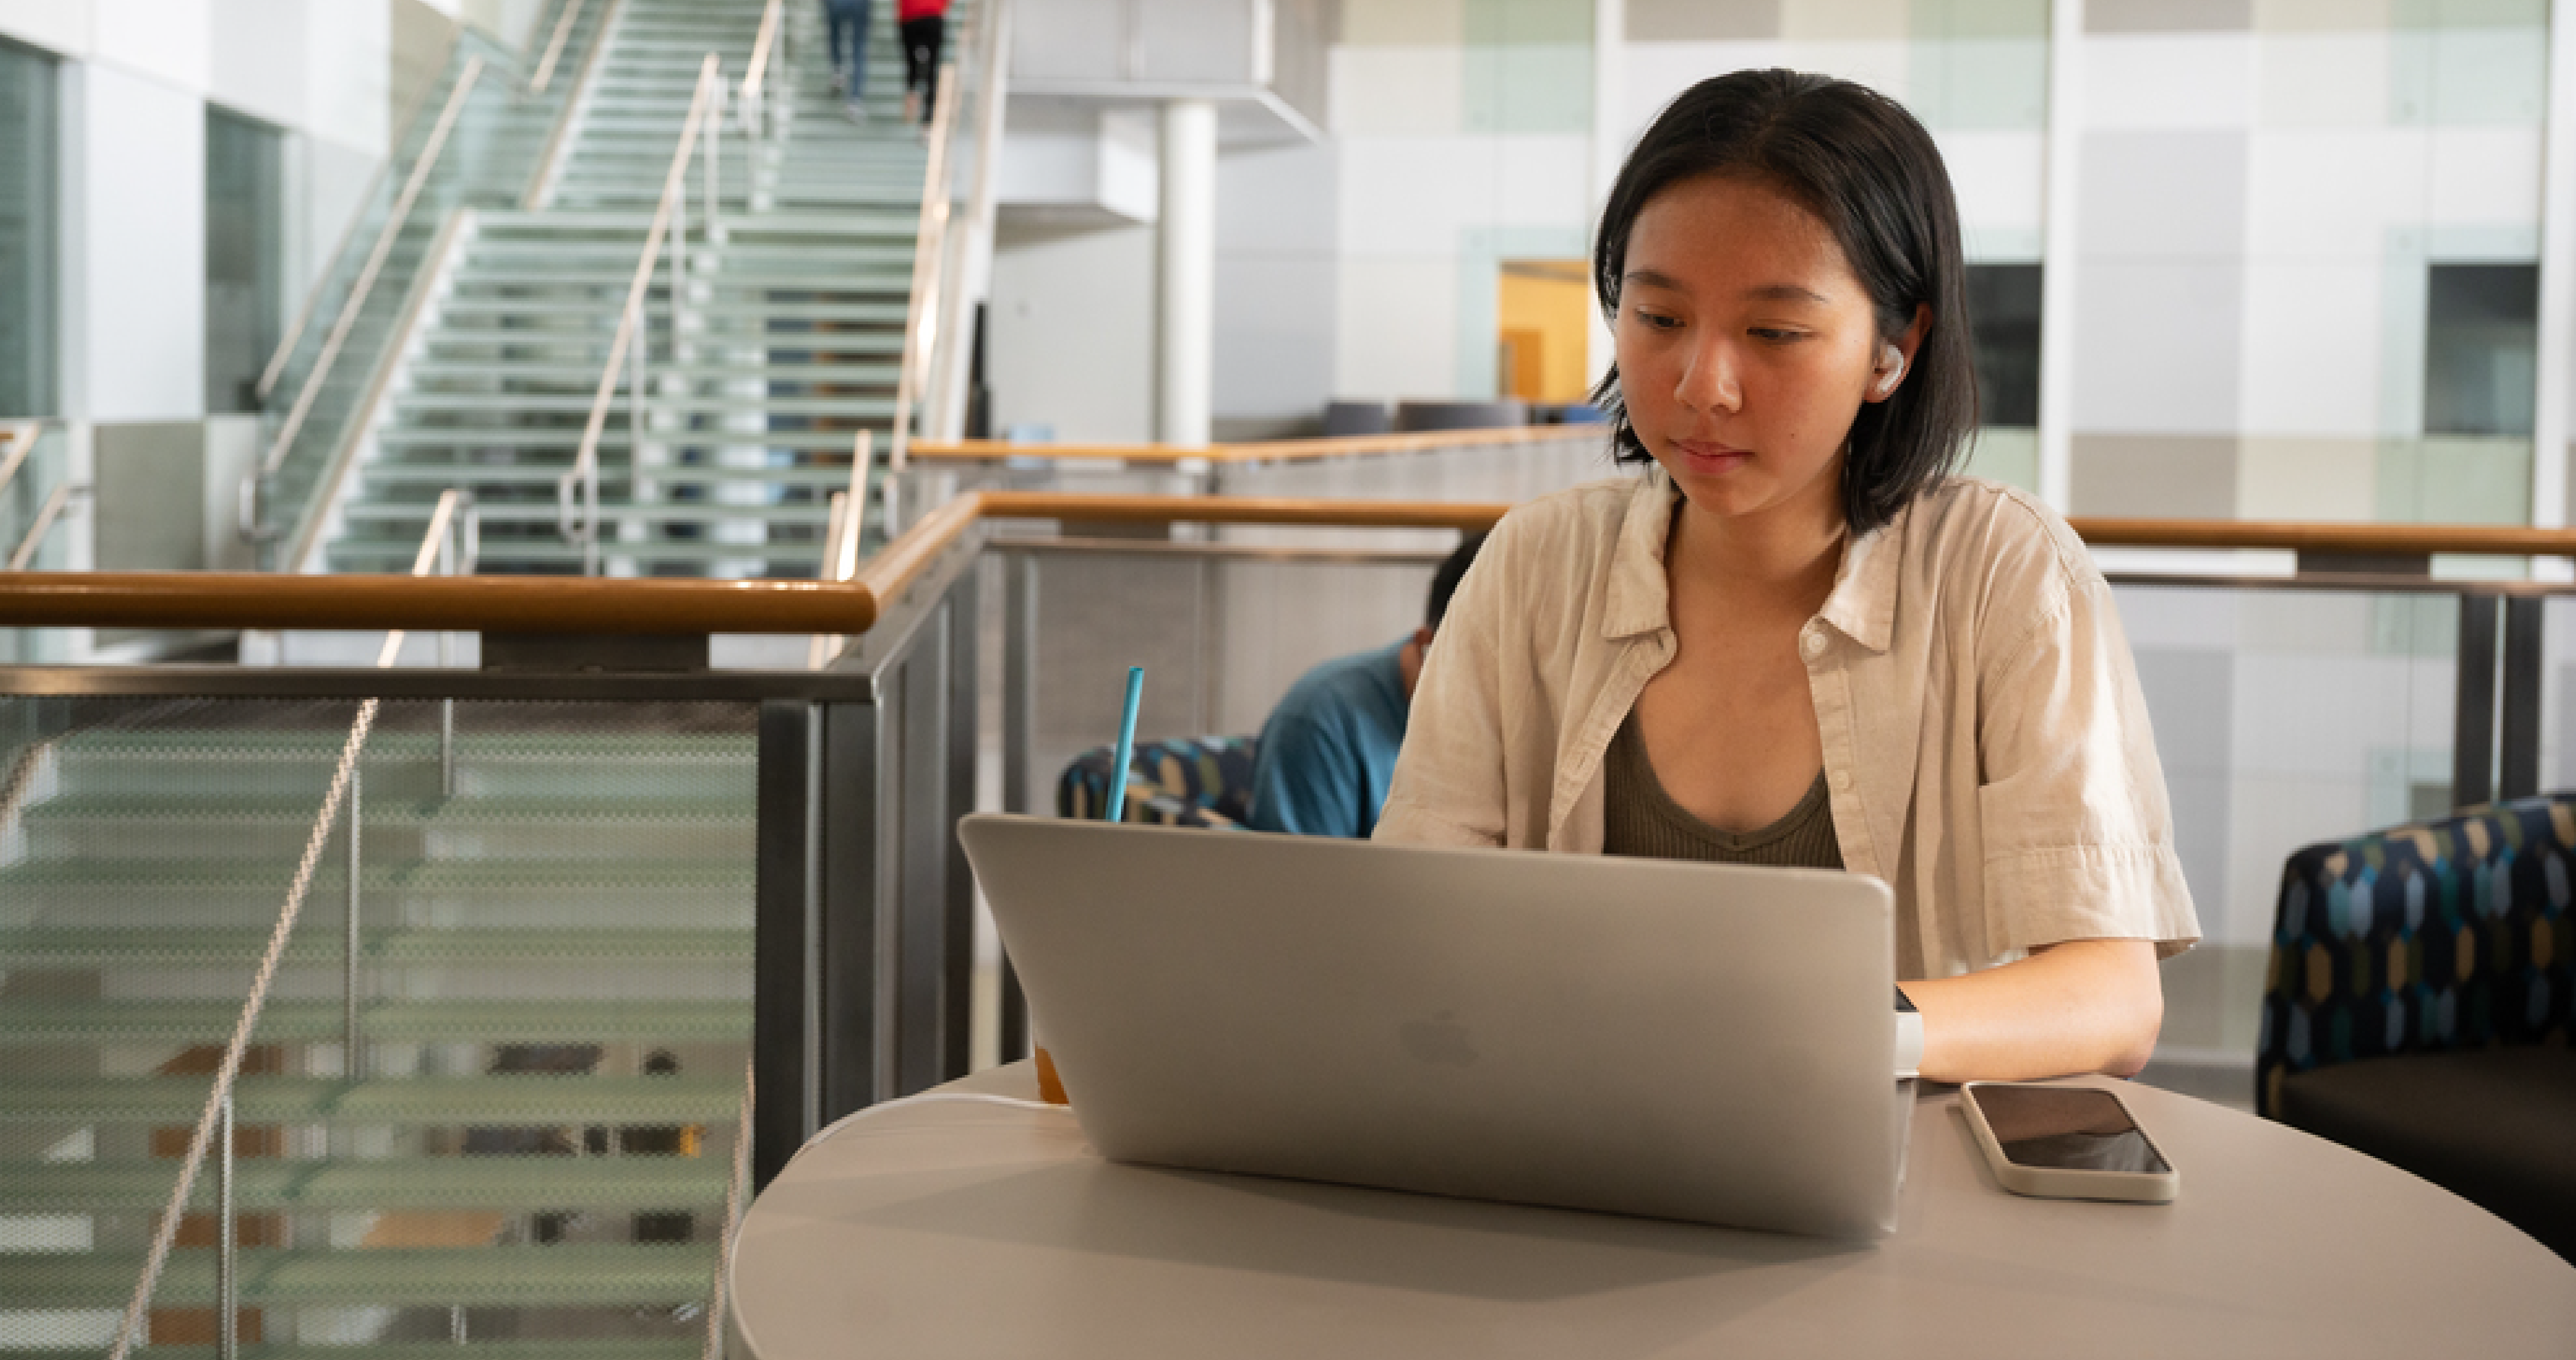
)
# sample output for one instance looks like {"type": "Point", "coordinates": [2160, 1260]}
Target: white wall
{"type": "Point", "coordinates": [1071, 342]}
{"type": "Point", "coordinates": [140, 282]}
{"type": "Point", "coordinates": [138, 75]}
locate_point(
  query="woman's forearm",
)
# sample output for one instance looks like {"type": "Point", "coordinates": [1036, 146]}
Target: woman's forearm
{"type": "Point", "coordinates": [2081, 1006]}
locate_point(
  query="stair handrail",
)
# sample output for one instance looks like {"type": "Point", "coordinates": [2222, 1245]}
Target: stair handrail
{"type": "Point", "coordinates": [43, 524]}
{"type": "Point", "coordinates": [753, 112]}
{"type": "Point", "coordinates": [842, 526]}
{"type": "Point", "coordinates": [542, 172]}
{"type": "Point", "coordinates": [448, 541]}
{"type": "Point", "coordinates": [545, 72]}
{"type": "Point", "coordinates": [395, 218]}
{"type": "Point", "coordinates": [950, 370]}
{"type": "Point", "coordinates": [448, 547]}
{"type": "Point", "coordinates": [706, 109]}
{"type": "Point", "coordinates": [16, 442]}
{"type": "Point", "coordinates": [921, 314]}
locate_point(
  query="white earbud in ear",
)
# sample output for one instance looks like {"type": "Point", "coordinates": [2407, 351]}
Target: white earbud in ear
{"type": "Point", "coordinates": [1891, 369]}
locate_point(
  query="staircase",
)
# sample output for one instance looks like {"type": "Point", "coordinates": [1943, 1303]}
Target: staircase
{"type": "Point", "coordinates": [531, 1155]}
{"type": "Point", "coordinates": [497, 1114]}
{"type": "Point", "coordinates": [786, 341]}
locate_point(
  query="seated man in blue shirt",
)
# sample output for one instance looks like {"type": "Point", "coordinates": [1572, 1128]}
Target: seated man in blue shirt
{"type": "Point", "coordinates": [1329, 749]}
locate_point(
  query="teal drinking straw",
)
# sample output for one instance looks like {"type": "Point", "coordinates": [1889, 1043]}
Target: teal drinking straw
{"type": "Point", "coordinates": [1126, 745]}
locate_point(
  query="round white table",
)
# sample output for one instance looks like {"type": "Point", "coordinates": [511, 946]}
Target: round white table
{"type": "Point", "coordinates": [954, 1229]}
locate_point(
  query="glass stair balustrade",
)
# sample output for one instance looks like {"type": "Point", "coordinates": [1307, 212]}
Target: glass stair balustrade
{"type": "Point", "coordinates": [488, 158]}
{"type": "Point", "coordinates": [531, 1154]}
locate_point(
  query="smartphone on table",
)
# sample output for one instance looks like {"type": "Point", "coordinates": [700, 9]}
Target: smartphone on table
{"type": "Point", "coordinates": [2066, 1142]}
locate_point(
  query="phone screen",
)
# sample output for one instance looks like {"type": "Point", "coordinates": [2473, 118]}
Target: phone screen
{"type": "Point", "coordinates": [2071, 1128]}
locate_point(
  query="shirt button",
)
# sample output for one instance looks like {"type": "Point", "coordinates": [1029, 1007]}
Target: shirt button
{"type": "Point", "coordinates": [1812, 644]}
{"type": "Point", "coordinates": [1838, 780]}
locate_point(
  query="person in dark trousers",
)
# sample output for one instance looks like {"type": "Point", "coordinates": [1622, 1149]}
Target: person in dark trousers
{"type": "Point", "coordinates": [925, 27]}
{"type": "Point", "coordinates": [847, 29]}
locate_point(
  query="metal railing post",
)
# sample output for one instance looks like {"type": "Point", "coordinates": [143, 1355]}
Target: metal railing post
{"type": "Point", "coordinates": [227, 1245]}
{"type": "Point", "coordinates": [1019, 719]}
{"type": "Point", "coordinates": [352, 1064]}
{"type": "Point", "coordinates": [2473, 702]}
{"type": "Point", "coordinates": [2518, 706]}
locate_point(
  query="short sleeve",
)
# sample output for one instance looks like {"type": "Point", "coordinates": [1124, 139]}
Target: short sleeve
{"type": "Point", "coordinates": [1307, 781]}
{"type": "Point", "coordinates": [2077, 828]}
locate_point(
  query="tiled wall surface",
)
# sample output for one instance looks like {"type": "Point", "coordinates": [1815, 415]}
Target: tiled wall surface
{"type": "Point", "coordinates": [2263, 185]}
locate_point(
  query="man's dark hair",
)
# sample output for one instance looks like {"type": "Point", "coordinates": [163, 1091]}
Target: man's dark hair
{"type": "Point", "coordinates": [1444, 582]}
{"type": "Point", "coordinates": [1871, 174]}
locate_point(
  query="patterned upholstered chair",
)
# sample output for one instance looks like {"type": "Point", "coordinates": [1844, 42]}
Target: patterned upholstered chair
{"type": "Point", "coordinates": [1185, 781]}
{"type": "Point", "coordinates": [2417, 1006]}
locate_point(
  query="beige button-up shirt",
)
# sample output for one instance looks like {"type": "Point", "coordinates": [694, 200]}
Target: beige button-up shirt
{"type": "Point", "coordinates": [1987, 750]}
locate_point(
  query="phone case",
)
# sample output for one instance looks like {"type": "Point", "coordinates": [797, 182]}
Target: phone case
{"type": "Point", "coordinates": [2061, 1183]}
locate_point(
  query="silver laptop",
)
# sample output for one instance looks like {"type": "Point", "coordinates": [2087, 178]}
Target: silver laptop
{"type": "Point", "coordinates": [1686, 1041]}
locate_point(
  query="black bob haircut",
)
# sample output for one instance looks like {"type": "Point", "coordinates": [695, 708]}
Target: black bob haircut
{"type": "Point", "coordinates": [1444, 582]}
{"type": "Point", "coordinates": [1870, 173]}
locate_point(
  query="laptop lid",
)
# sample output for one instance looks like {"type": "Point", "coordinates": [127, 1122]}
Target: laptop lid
{"type": "Point", "coordinates": [1691, 1041]}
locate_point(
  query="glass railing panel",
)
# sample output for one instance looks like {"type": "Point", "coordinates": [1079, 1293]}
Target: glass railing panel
{"type": "Point", "coordinates": [2283, 717]}
{"type": "Point", "coordinates": [145, 849]}
{"type": "Point", "coordinates": [1222, 630]}
{"type": "Point", "coordinates": [488, 158]}
{"type": "Point", "coordinates": [494, 1094]}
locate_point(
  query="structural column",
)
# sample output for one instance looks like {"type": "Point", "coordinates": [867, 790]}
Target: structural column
{"type": "Point", "coordinates": [1187, 329]}
{"type": "Point", "coordinates": [2551, 410]}
{"type": "Point", "coordinates": [2057, 251]}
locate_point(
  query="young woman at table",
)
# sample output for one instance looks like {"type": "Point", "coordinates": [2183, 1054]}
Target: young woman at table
{"type": "Point", "coordinates": [1797, 639]}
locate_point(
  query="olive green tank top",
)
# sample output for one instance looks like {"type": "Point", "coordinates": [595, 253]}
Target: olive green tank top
{"type": "Point", "coordinates": [1640, 819]}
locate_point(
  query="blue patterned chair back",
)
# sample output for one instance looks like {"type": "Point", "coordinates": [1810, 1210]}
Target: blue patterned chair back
{"type": "Point", "coordinates": [1184, 781]}
{"type": "Point", "coordinates": [2442, 935]}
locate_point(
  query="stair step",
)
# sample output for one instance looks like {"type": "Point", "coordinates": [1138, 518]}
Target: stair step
{"type": "Point", "coordinates": [423, 481]}
{"type": "Point", "coordinates": [640, 1348]}
{"type": "Point", "coordinates": [399, 523]}
{"type": "Point", "coordinates": [466, 1021]}
{"type": "Point", "coordinates": [779, 373]}
{"type": "Point", "coordinates": [657, 315]}
{"type": "Point", "coordinates": [444, 1101]}
{"type": "Point", "coordinates": [149, 942]}
{"type": "Point", "coordinates": [561, 1274]}
{"type": "Point", "coordinates": [566, 439]}
{"type": "Point", "coordinates": [634, 1181]}
{"type": "Point", "coordinates": [667, 553]}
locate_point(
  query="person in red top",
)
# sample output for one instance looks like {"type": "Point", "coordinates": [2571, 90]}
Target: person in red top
{"type": "Point", "coordinates": [924, 24]}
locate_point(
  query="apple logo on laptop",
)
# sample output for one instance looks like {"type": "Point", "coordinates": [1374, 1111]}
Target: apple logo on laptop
{"type": "Point", "coordinates": [1440, 1040]}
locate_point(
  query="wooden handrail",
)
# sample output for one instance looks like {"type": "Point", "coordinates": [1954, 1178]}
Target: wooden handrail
{"type": "Point", "coordinates": [2333, 538]}
{"type": "Point", "coordinates": [1263, 451]}
{"type": "Point", "coordinates": [503, 604]}
{"type": "Point", "coordinates": [539, 604]}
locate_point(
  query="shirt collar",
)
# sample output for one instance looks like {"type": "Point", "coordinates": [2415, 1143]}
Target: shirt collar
{"type": "Point", "coordinates": [1862, 604]}
{"type": "Point", "coordinates": [1639, 600]}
